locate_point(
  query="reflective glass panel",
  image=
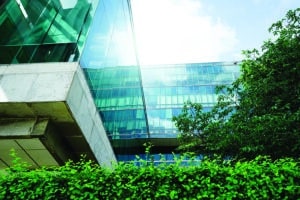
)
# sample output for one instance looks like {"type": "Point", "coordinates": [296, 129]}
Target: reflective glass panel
{"type": "Point", "coordinates": [168, 87]}
{"type": "Point", "coordinates": [44, 30]}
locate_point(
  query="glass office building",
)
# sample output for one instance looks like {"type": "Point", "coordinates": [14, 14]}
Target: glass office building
{"type": "Point", "coordinates": [136, 103]}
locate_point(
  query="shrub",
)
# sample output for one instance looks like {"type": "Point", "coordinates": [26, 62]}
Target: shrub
{"type": "Point", "coordinates": [260, 178]}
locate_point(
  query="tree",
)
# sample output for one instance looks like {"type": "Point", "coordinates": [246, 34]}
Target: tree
{"type": "Point", "coordinates": [265, 120]}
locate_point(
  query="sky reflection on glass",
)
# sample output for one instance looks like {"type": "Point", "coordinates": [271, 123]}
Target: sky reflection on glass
{"type": "Point", "coordinates": [110, 42]}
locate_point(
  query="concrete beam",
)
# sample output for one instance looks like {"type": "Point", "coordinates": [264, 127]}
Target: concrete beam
{"type": "Point", "coordinates": [58, 92]}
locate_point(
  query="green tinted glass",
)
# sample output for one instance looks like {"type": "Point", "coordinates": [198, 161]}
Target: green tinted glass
{"type": "Point", "coordinates": [168, 87]}
{"type": "Point", "coordinates": [44, 30]}
{"type": "Point", "coordinates": [118, 96]}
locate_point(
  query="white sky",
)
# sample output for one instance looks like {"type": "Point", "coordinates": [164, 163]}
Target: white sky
{"type": "Point", "coordinates": [183, 31]}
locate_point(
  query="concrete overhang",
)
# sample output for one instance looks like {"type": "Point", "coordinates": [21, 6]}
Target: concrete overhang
{"type": "Point", "coordinates": [47, 114]}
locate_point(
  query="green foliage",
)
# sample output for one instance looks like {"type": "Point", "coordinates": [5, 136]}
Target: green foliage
{"type": "Point", "coordinates": [17, 164]}
{"type": "Point", "coordinates": [259, 114]}
{"type": "Point", "coordinates": [260, 178]}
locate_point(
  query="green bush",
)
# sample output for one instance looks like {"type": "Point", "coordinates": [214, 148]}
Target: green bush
{"type": "Point", "coordinates": [260, 178]}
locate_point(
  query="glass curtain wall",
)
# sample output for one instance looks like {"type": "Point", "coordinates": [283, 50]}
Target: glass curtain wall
{"type": "Point", "coordinates": [167, 87]}
{"type": "Point", "coordinates": [110, 42]}
{"type": "Point", "coordinates": [44, 30]}
{"type": "Point", "coordinates": [118, 97]}
{"type": "Point", "coordinates": [110, 64]}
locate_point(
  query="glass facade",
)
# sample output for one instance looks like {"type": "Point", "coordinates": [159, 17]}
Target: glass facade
{"type": "Point", "coordinates": [139, 102]}
{"type": "Point", "coordinates": [118, 96]}
{"type": "Point", "coordinates": [44, 31]}
{"type": "Point", "coordinates": [167, 87]}
{"type": "Point", "coordinates": [110, 42]}
{"type": "Point", "coordinates": [111, 67]}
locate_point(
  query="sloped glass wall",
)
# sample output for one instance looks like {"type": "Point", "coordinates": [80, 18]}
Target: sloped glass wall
{"type": "Point", "coordinates": [110, 64]}
{"type": "Point", "coordinates": [110, 42]}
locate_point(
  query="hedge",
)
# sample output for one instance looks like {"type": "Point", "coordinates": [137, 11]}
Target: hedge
{"type": "Point", "coordinates": [260, 178]}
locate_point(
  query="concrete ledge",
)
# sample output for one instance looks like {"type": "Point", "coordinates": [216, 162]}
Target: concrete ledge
{"type": "Point", "coordinates": [58, 92]}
